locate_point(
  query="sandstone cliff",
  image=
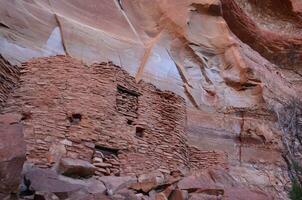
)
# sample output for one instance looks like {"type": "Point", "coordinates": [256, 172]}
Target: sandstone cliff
{"type": "Point", "coordinates": [236, 64]}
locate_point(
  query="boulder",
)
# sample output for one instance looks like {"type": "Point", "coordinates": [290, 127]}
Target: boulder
{"type": "Point", "coordinates": [145, 186]}
{"type": "Point", "coordinates": [160, 196]}
{"type": "Point", "coordinates": [147, 182]}
{"type": "Point", "coordinates": [76, 168]}
{"type": "Point", "coordinates": [80, 195]}
{"type": "Point", "coordinates": [156, 176]}
{"type": "Point", "coordinates": [115, 183]}
{"type": "Point", "coordinates": [49, 181]}
{"type": "Point", "coordinates": [178, 195]}
{"type": "Point", "coordinates": [91, 185]}
{"type": "Point", "coordinates": [125, 194]}
{"type": "Point", "coordinates": [12, 153]}
{"type": "Point", "coordinates": [45, 196]}
{"type": "Point", "coordinates": [164, 195]}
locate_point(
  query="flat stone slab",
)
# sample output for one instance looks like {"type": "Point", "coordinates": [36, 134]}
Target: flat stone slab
{"type": "Point", "coordinates": [76, 168]}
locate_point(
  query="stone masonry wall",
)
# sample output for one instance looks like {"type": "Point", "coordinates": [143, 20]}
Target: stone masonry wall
{"type": "Point", "coordinates": [9, 76]}
{"type": "Point", "coordinates": [201, 159]}
{"type": "Point", "coordinates": [100, 114]}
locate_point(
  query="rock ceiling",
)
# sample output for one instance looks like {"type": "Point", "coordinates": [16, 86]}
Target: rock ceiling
{"type": "Point", "coordinates": [205, 50]}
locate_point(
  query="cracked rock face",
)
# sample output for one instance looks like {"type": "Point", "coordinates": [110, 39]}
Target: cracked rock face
{"type": "Point", "coordinates": [235, 62]}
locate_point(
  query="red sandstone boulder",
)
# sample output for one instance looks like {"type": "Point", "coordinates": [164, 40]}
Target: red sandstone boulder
{"type": "Point", "coordinates": [12, 153]}
{"type": "Point", "coordinates": [76, 168]}
{"type": "Point", "coordinates": [84, 196]}
{"type": "Point", "coordinates": [178, 195]}
{"type": "Point", "coordinates": [47, 180]}
{"type": "Point", "coordinates": [147, 182]}
{"type": "Point", "coordinates": [125, 194]}
{"type": "Point", "coordinates": [91, 185]}
{"type": "Point", "coordinates": [160, 196]}
{"type": "Point", "coordinates": [158, 177]}
{"type": "Point", "coordinates": [45, 196]}
{"type": "Point", "coordinates": [164, 194]}
{"type": "Point", "coordinates": [145, 186]}
{"type": "Point", "coordinates": [114, 183]}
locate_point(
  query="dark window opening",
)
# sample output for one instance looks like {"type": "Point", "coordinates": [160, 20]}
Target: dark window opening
{"type": "Point", "coordinates": [139, 132]}
{"type": "Point", "coordinates": [129, 121]}
{"type": "Point", "coordinates": [106, 151]}
{"type": "Point", "coordinates": [75, 118]}
{"type": "Point", "coordinates": [25, 116]}
{"type": "Point", "coordinates": [104, 156]}
{"type": "Point", "coordinates": [122, 89]}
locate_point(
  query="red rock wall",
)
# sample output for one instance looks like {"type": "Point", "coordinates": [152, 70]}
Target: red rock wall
{"type": "Point", "coordinates": [100, 114]}
{"type": "Point", "coordinates": [251, 141]}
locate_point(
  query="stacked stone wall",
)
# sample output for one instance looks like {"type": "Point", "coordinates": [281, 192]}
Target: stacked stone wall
{"type": "Point", "coordinates": [100, 114]}
{"type": "Point", "coordinates": [9, 77]}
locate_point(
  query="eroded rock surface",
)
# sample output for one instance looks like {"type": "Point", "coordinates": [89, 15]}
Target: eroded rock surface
{"type": "Point", "coordinates": [192, 52]}
{"type": "Point", "coordinates": [236, 63]}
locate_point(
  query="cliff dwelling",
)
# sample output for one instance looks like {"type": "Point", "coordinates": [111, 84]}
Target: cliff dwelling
{"type": "Point", "coordinates": [150, 100]}
{"type": "Point", "coordinates": [100, 114]}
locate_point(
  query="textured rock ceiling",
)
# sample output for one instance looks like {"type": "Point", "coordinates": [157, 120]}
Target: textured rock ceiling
{"type": "Point", "coordinates": [197, 48]}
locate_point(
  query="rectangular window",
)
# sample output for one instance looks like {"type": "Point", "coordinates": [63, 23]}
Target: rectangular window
{"type": "Point", "coordinates": [107, 152]}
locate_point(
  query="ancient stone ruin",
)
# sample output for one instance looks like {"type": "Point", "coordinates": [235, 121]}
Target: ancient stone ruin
{"type": "Point", "coordinates": [100, 114]}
